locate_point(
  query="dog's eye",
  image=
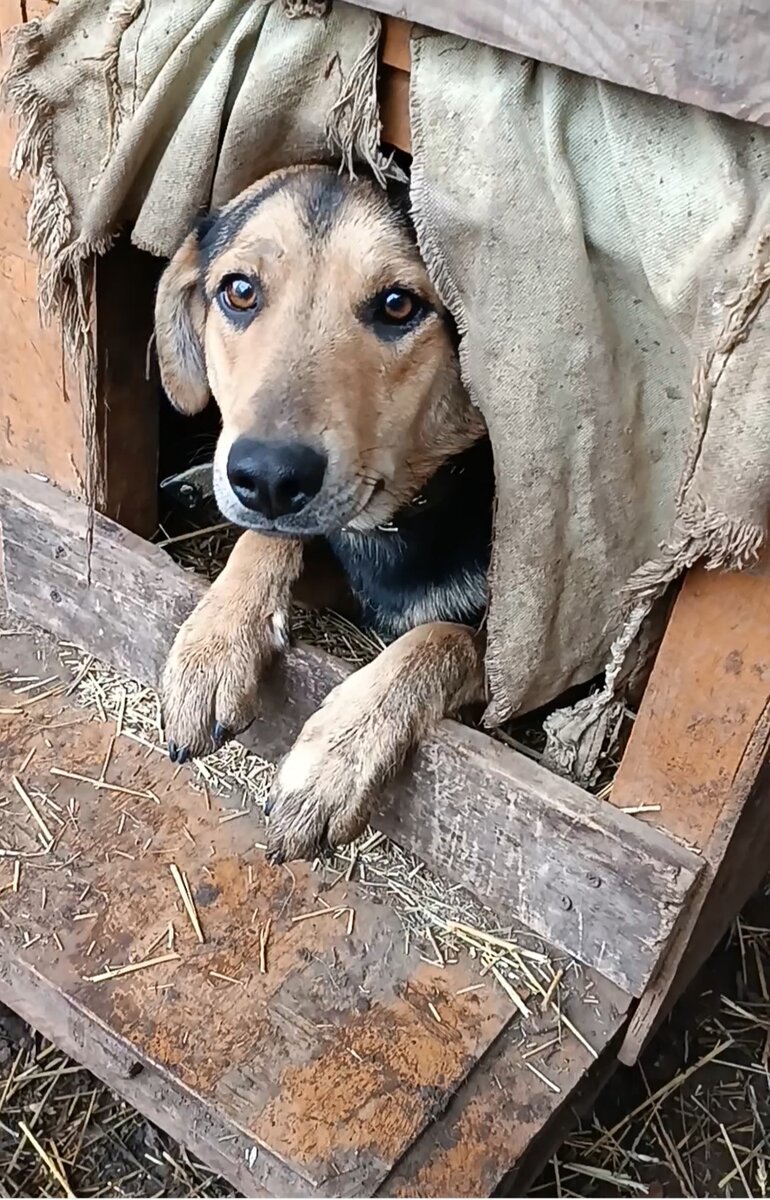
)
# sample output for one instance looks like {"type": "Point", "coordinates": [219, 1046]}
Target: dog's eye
{"type": "Point", "coordinates": [399, 305]}
{"type": "Point", "coordinates": [396, 306]}
{"type": "Point", "coordinates": [239, 293]}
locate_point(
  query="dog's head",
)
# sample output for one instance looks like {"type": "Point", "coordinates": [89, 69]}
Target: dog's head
{"type": "Point", "coordinates": [305, 309]}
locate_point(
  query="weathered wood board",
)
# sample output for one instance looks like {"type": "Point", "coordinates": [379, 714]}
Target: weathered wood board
{"type": "Point", "coordinates": [591, 880]}
{"type": "Point", "coordinates": [37, 388]}
{"type": "Point", "coordinates": [697, 748]}
{"type": "Point", "coordinates": [328, 1074]}
{"type": "Point", "coordinates": [41, 423]}
{"type": "Point", "coordinates": [695, 51]}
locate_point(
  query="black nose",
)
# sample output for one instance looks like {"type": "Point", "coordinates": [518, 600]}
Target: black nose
{"type": "Point", "coordinates": [274, 478]}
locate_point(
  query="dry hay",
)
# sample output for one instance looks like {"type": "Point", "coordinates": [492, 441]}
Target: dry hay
{"type": "Point", "coordinates": [64, 1133]}
{"type": "Point", "coordinates": [440, 920]}
{"type": "Point", "coordinates": [693, 1118]}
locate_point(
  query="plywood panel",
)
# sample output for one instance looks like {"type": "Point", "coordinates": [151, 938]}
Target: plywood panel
{"type": "Point", "coordinates": [700, 52]}
{"type": "Point", "coordinates": [313, 1076]}
{"type": "Point", "coordinates": [593, 881]}
{"type": "Point", "coordinates": [39, 399]}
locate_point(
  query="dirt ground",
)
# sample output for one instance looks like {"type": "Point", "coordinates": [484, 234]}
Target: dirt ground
{"type": "Point", "coordinates": [692, 1119]}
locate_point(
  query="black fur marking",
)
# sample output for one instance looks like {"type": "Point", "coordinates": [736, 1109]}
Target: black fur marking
{"type": "Point", "coordinates": [326, 193]}
{"type": "Point", "coordinates": [224, 227]}
{"type": "Point", "coordinates": [433, 565]}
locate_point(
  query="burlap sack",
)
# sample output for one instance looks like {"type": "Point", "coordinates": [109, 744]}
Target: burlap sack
{"type": "Point", "coordinates": [607, 256]}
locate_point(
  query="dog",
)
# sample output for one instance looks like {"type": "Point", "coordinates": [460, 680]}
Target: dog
{"type": "Point", "coordinates": [304, 307]}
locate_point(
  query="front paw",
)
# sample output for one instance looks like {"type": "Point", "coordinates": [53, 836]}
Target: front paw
{"type": "Point", "coordinates": [324, 790]}
{"type": "Point", "coordinates": [210, 681]}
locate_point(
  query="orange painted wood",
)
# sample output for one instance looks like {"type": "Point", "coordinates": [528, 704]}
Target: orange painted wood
{"type": "Point", "coordinates": [697, 748]}
{"type": "Point", "coordinates": [328, 1074]}
{"type": "Point", "coordinates": [395, 47]}
{"type": "Point", "coordinates": [394, 108]}
{"type": "Point", "coordinates": [40, 421]}
{"type": "Point", "coordinates": [40, 398]}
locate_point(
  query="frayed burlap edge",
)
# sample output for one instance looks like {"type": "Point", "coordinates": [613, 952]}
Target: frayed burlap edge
{"type": "Point", "coordinates": [353, 127]}
{"type": "Point", "coordinates": [576, 737]}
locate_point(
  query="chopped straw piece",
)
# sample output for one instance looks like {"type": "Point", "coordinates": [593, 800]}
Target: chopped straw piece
{"type": "Point", "coordinates": [180, 879]}
{"type": "Point", "coordinates": [20, 791]}
{"type": "Point", "coordinates": [264, 935]}
{"type": "Point", "coordinates": [129, 968]}
{"type": "Point", "coordinates": [46, 1159]}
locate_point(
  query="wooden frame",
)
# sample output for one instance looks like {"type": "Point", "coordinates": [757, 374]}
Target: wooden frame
{"type": "Point", "coordinates": [694, 51]}
{"type": "Point", "coordinates": [339, 1022]}
{"type": "Point", "coordinates": [668, 883]}
{"type": "Point", "coordinates": [593, 881]}
{"type": "Point", "coordinates": [37, 378]}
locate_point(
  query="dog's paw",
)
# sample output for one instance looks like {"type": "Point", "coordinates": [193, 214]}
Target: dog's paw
{"type": "Point", "coordinates": [325, 788]}
{"type": "Point", "coordinates": [211, 677]}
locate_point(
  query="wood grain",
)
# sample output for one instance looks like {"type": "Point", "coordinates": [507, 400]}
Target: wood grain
{"type": "Point", "coordinates": [329, 1074]}
{"type": "Point", "coordinates": [393, 88]}
{"type": "Point", "coordinates": [40, 396]}
{"type": "Point", "coordinates": [699, 52]}
{"type": "Point", "coordinates": [593, 881]}
{"type": "Point", "coordinates": [697, 747]}
{"type": "Point", "coordinates": [40, 422]}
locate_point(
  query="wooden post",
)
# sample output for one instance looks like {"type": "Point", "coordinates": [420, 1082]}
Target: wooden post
{"type": "Point", "coordinates": [40, 393]}
{"type": "Point", "coordinates": [697, 750]}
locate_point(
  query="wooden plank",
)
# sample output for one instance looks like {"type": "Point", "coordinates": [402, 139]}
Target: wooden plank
{"type": "Point", "coordinates": [592, 881]}
{"type": "Point", "coordinates": [395, 43]}
{"type": "Point", "coordinates": [40, 398]}
{"type": "Point", "coordinates": [697, 746]}
{"type": "Point", "coordinates": [696, 51]}
{"type": "Point", "coordinates": [393, 88]}
{"type": "Point", "coordinates": [314, 1078]}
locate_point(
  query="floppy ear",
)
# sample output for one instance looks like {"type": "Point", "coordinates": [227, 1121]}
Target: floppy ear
{"type": "Point", "coordinates": [179, 320]}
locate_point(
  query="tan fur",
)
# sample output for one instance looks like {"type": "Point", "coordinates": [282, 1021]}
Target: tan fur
{"type": "Point", "coordinates": [179, 328]}
{"type": "Point", "coordinates": [326, 785]}
{"type": "Point", "coordinates": [307, 366]}
{"type": "Point", "coordinates": [385, 411]}
{"type": "Point", "coordinates": [223, 648]}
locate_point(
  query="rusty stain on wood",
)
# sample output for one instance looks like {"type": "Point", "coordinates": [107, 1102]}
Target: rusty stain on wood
{"type": "Point", "coordinates": [696, 750]}
{"type": "Point", "coordinates": [331, 1064]}
{"type": "Point", "coordinates": [532, 843]}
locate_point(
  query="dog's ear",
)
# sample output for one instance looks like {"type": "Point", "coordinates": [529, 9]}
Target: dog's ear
{"type": "Point", "coordinates": [180, 317]}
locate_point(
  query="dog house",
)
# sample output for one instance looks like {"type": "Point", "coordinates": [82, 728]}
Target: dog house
{"type": "Point", "coordinates": [332, 1061]}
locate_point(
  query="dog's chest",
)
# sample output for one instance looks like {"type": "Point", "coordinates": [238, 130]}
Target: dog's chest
{"type": "Point", "coordinates": [432, 564]}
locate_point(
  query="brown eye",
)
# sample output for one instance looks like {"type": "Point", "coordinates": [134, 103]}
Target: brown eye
{"type": "Point", "coordinates": [239, 293]}
{"type": "Point", "coordinates": [398, 305]}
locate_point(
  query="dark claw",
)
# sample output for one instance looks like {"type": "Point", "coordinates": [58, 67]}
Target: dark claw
{"type": "Point", "coordinates": [183, 755]}
{"type": "Point", "coordinates": [276, 857]}
{"type": "Point", "coordinates": [172, 751]}
{"type": "Point", "coordinates": [219, 734]}
{"type": "Point", "coordinates": [269, 805]}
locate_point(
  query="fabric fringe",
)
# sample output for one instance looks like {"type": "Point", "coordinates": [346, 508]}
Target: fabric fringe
{"type": "Point", "coordinates": [577, 737]}
{"type": "Point", "coordinates": [306, 8]}
{"type": "Point", "coordinates": [353, 126]}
